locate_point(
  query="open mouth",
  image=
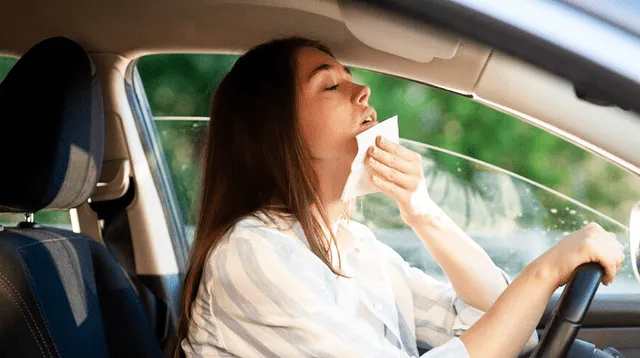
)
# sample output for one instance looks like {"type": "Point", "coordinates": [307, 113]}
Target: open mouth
{"type": "Point", "coordinates": [367, 120]}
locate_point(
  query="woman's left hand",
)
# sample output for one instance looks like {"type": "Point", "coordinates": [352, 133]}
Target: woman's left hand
{"type": "Point", "coordinates": [397, 172]}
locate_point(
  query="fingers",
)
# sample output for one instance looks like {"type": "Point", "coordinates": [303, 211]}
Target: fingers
{"type": "Point", "coordinates": [397, 172]}
{"type": "Point", "coordinates": [389, 188]}
{"type": "Point", "coordinates": [605, 249]}
{"type": "Point", "coordinates": [398, 150]}
{"type": "Point", "coordinates": [395, 164]}
{"type": "Point", "coordinates": [392, 175]}
{"type": "Point", "coordinates": [608, 258]}
{"type": "Point", "coordinates": [617, 250]}
{"type": "Point", "coordinates": [392, 160]}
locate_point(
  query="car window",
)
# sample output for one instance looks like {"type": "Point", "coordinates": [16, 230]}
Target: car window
{"type": "Point", "coordinates": [52, 218]}
{"type": "Point", "coordinates": [60, 219]}
{"type": "Point", "coordinates": [6, 63]}
{"type": "Point", "coordinates": [512, 187]}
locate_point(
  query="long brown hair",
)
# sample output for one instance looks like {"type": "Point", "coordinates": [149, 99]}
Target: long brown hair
{"type": "Point", "coordinates": [255, 159]}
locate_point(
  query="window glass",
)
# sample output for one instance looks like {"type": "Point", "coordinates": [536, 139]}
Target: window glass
{"type": "Point", "coordinates": [512, 187]}
{"type": "Point", "coordinates": [182, 142]}
{"type": "Point", "coordinates": [60, 219]}
{"type": "Point", "coordinates": [182, 85]}
{"type": "Point", "coordinates": [6, 63]}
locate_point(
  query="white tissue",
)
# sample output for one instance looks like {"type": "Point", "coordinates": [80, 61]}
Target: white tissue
{"type": "Point", "coordinates": [359, 181]}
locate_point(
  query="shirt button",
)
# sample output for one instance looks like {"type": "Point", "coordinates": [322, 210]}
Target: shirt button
{"type": "Point", "coordinates": [357, 250]}
{"type": "Point", "coordinates": [378, 306]}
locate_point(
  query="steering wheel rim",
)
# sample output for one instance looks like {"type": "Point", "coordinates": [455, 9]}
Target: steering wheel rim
{"type": "Point", "coordinates": [566, 319]}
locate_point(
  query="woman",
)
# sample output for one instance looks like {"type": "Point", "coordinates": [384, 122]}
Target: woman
{"type": "Point", "coordinates": [276, 271]}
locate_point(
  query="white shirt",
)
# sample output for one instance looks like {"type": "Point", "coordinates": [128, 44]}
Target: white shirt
{"type": "Point", "coordinates": [265, 294]}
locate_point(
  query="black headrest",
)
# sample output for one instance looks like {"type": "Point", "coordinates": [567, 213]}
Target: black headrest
{"type": "Point", "coordinates": [51, 129]}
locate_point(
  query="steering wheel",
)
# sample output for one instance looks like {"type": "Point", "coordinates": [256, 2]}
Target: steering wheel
{"type": "Point", "coordinates": [566, 319]}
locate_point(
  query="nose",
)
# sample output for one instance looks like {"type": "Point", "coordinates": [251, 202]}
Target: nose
{"type": "Point", "coordinates": [362, 94]}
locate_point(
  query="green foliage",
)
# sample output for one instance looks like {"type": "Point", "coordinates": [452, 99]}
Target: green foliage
{"type": "Point", "coordinates": [182, 85]}
{"type": "Point", "coordinates": [5, 65]}
{"type": "Point", "coordinates": [182, 143]}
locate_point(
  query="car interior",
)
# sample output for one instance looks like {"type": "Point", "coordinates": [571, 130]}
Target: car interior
{"type": "Point", "coordinates": [76, 139]}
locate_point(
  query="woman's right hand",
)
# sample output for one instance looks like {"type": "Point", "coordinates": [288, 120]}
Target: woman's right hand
{"type": "Point", "coordinates": [589, 244]}
{"type": "Point", "coordinates": [519, 308]}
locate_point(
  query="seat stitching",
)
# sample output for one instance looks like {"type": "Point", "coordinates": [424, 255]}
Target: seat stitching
{"type": "Point", "coordinates": [39, 311]}
{"type": "Point", "coordinates": [55, 347]}
{"type": "Point", "coordinates": [43, 241]}
{"type": "Point", "coordinates": [25, 318]}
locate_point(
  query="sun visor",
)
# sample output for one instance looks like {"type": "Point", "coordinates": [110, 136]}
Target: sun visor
{"type": "Point", "coordinates": [381, 31]}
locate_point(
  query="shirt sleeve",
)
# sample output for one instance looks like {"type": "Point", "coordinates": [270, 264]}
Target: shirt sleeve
{"type": "Point", "coordinates": [270, 298]}
{"type": "Point", "coordinates": [440, 315]}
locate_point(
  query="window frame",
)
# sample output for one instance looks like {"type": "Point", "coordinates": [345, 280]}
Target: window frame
{"type": "Point", "coordinates": [145, 125]}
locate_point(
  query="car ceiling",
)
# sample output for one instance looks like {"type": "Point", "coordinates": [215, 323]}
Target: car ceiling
{"type": "Point", "coordinates": [358, 36]}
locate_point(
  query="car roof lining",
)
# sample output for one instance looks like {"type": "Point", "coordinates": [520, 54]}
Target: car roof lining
{"type": "Point", "coordinates": [233, 26]}
{"type": "Point", "coordinates": [222, 26]}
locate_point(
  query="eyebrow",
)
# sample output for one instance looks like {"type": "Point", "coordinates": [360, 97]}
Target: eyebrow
{"type": "Point", "coordinates": [326, 67]}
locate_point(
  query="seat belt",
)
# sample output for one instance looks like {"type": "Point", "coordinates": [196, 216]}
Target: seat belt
{"type": "Point", "coordinates": [116, 236]}
{"type": "Point", "coordinates": [88, 222]}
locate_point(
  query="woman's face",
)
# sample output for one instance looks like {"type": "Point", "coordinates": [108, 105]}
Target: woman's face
{"type": "Point", "coordinates": [332, 110]}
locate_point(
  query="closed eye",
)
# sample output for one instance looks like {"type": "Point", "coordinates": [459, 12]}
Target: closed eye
{"type": "Point", "coordinates": [332, 88]}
